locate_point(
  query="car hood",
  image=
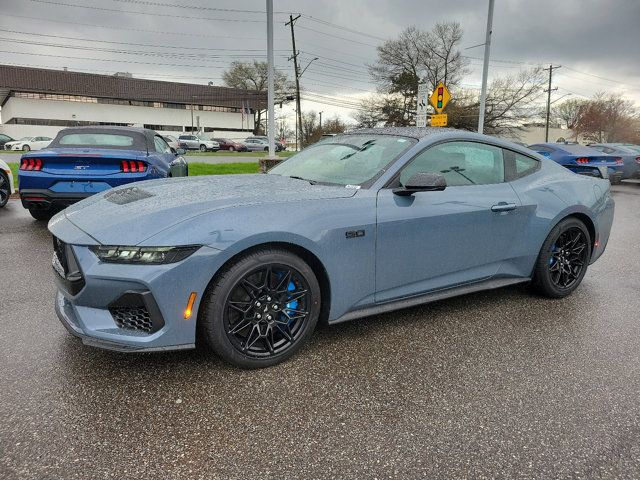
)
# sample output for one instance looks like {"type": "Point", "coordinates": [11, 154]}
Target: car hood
{"type": "Point", "coordinates": [128, 215]}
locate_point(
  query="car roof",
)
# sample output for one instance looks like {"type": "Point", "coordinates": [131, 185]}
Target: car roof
{"type": "Point", "coordinates": [143, 137]}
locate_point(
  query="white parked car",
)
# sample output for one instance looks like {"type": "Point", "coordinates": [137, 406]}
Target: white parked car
{"type": "Point", "coordinates": [195, 142]}
{"type": "Point", "coordinates": [28, 143]}
{"type": "Point", "coordinates": [171, 141]}
{"type": "Point", "coordinates": [6, 183]}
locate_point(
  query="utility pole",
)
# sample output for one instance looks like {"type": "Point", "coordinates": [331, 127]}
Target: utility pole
{"type": "Point", "coordinates": [320, 113]}
{"type": "Point", "coordinates": [548, 91]}
{"type": "Point", "coordinates": [485, 67]}
{"type": "Point", "coordinates": [297, 75]}
{"type": "Point", "coordinates": [271, 126]}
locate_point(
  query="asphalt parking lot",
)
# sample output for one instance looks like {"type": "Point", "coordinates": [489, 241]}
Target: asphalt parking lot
{"type": "Point", "coordinates": [501, 384]}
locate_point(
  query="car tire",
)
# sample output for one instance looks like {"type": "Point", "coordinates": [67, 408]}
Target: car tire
{"type": "Point", "coordinates": [561, 264]}
{"type": "Point", "coordinates": [203, 148]}
{"type": "Point", "coordinates": [615, 179]}
{"type": "Point", "coordinates": [39, 214]}
{"type": "Point", "coordinates": [5, 188]}
{"type": "Point", "coordinates": [231, 149]}
{"type": "Point", "coordinates": [26, 148]}
{"type": "Point", "coordinates": [242, 285]}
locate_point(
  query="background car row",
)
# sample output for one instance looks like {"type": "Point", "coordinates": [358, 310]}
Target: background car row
{"type": "Point", "coordinates": [26, 144]}
{"type": "Point", "coordinates": [621, 161]}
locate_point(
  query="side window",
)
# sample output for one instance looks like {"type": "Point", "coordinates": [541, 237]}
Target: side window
{"type": "Point", "coordinates": [518, 165]}
{"type": "Point", "coordinates": [461, 163]}
{"type": "Point", "coordinates": [161, 145]}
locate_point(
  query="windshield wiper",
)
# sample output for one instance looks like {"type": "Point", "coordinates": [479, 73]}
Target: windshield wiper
{"type": "Point", "coordinates": [312, 182]}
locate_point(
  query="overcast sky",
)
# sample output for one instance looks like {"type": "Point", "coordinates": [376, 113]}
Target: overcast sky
{"type": "Point", "coordinates": [596, 42]}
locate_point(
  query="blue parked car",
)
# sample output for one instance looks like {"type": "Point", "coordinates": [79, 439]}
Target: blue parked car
{"type": "Point", "coordinates": [629, 153]}
{"type": "Point", "coordinates": [354, 225]}
{"type": "Point", "coordinates": [83, 161]}
{"type": "Point", "coordinates": [582, 160]}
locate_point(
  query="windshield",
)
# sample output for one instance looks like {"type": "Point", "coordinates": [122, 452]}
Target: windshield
{"type": "Point", "coordinates": [345, 160]}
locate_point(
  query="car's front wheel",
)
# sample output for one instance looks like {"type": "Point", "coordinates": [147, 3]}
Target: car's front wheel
{"type": "Point", "coordinates": [262, 309]}
{"type": "Point", "coordinates": [563, 259]}
{"type": "Point", "coordinates": [4, 189]}
{"type": "Point", "coordinates": [203, 148]}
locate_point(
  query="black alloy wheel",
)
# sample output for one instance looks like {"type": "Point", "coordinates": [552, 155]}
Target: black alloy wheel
{"type": "Point", "coordinates": [261, 309]}
{"type": "Point", "coordinates": [4, 189]}
{"type": "Point", "coordinates": [568, 257]}
{"type": "Point", "coordinates": [563, 259]}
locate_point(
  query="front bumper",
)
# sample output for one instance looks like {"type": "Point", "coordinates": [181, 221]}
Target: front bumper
{"type": "Point", "coordinates": [89, 313]}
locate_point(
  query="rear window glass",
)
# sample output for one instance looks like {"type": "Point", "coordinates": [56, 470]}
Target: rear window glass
{"type": "Point", "coordinates": [97, 140]}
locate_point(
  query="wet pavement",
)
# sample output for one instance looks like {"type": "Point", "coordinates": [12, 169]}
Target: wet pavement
{"type": "Point", "coordinates": [501, 384]}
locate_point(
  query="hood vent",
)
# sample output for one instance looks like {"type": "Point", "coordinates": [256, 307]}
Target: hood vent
{"type": "Point", "coordinates": [127, 195]}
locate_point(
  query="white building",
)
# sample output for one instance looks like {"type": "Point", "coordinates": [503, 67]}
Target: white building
{"type": "Point", "coordinates": [40, 102]}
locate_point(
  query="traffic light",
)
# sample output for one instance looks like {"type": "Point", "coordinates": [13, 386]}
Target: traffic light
{"type": "Point", "coordinates": [440, 96]}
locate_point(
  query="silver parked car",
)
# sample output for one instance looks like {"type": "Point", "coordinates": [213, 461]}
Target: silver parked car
{"type": "Point", "coordinates": [196, 142]}
{"type": "Point", "coordinates": [256, 145]}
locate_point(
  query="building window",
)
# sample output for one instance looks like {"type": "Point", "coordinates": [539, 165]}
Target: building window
{"type": "Point", "coordinates": [165, 128]}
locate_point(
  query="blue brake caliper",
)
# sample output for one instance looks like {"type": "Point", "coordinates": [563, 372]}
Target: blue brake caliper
{"type": "Point", "coordinates": [293, 304]}
{"type": "Point", "coordinates": [553, 250]}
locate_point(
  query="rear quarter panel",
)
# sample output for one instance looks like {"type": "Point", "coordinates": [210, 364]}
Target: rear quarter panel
{"type": "Point", "coordinates": [552, 194]}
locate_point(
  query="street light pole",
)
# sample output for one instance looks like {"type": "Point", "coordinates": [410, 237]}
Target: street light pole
{"type": "Point", "coordinates": [271, 126]}
{"type": "Point", "coordinates": [320, 113]}
{"type": "Point", "coordinates": [485, 67]}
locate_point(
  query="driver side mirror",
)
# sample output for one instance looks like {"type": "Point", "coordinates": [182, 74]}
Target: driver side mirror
{"type": "Point", "coordinates": [180, 151]}
{"type": "Point", "coordinates": [422, 182]}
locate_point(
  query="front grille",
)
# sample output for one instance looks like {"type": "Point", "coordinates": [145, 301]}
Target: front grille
{"type": "Point", "coordinates": [132, 318]}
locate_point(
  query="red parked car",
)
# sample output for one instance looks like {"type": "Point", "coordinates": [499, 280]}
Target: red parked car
{"type": "Point", "coordinates": [226, 144]}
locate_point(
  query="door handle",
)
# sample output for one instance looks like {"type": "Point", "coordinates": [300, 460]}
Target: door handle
{"type": "Point", "coordinates": [503, 207]}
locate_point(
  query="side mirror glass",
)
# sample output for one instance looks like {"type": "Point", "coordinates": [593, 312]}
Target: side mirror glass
{"type": "Point", "coordinates": [422, 182]}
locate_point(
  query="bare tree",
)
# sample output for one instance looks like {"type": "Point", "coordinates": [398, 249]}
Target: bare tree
{"type": "Point", "coordinates": [253, 76]}
{"type": "Point", "coordinates": [569, 113]}
{"type": "Point", "coordinates": [608, 118]}
{"type": "Point", "coordinates": [415, 56]}
{"type": "Point", "coordinates": [440, 57]}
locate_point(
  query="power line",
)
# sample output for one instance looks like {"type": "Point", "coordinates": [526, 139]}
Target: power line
{"type": "Point", "coordinates": [336, 36]}
{"type": "Point", "coordinates": [341, 27]}
{"type": "Point", "coordinates": [136, 12]}
{"type": "Point", "coordinates": [132, 52]}
{"type": "Point", "coordinates": [112, 27]}
{"type": "Point", "coordinates": [135, 44]}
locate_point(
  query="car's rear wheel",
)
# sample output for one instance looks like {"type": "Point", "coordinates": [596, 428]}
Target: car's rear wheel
{"type": "Point", "coordinates": [261, 309]}
{"type": "Point", "coordinates": [39, 214]}
{"type": "Point", "coordinates": [4, 189]}
{"type": "Point", "coordinates": [563, 260]}
{"type": "Point", "coordinates": [26, 148]}
{"type": "Point", "coordinates": [231, 149]}
{"type": "Point", "coordinates": [203, 148]}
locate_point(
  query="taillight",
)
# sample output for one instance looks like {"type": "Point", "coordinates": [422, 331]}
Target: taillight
{"type": "Point", "coordinates": [132, 166]}
{"type": "Point", "coordinates": [31, 164]}
{"type": "Point", "coordinates": [638, 160]}
{"type": "Point", "coordinates": [619, 161]}
{"type": "Point", "coordinates": [582, 160]}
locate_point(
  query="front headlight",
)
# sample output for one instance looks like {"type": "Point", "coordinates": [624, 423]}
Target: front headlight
{"type": "Point", "coordinates": [143, 255]}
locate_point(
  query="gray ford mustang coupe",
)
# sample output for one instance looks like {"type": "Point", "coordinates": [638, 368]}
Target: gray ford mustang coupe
{"type": "Point", "coordinates": [358, 224]}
